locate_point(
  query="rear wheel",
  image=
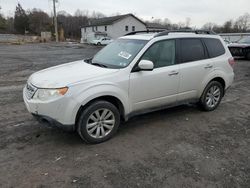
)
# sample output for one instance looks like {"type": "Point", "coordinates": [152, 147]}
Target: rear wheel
{"type": "Point", "coordinates": [98, 122]}
{"type": "Point", "coordinates": [211, 96]}
{"type": "Point", "coordinates": [99, 44]}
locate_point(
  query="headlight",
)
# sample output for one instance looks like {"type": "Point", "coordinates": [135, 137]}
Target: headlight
{"type": "Point", "coordinates": [50, 94]}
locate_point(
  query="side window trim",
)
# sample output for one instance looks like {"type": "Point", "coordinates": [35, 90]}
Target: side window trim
{"type": "Point", "coordinates": [205, 49]}
{"type": "Point", "coordinates": [135, 68]}
{"type": "Point", "coordinates": [178, 51]}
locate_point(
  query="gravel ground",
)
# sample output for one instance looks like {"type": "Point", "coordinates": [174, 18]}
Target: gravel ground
{"type": "Point", "coordinates": [177, 147]}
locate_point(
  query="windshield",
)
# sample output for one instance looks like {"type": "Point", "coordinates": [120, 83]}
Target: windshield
{"type": "Point", "coordinates": [245, 40]}
{"type": "Point", "coordinates": [119, 53]}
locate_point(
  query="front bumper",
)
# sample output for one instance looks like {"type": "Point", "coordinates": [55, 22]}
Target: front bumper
{"type": "Point", "coordinates": [58, 112]}
{"type": "Point", "coordinates": [53, 122]}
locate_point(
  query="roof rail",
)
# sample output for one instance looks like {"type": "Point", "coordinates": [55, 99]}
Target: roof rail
{"type": "Point", "coordinates": [145, 31]}
{"type": "Point", "coordinates": [166, 32]}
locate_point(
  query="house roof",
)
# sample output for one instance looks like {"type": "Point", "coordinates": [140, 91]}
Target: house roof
{"type": "Point", "coordinates": [109, 20]}
{"type": "Point", "coordinates": [150, 25]}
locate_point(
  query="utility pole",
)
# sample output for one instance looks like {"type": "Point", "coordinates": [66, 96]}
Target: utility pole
{"type": "Point", "coordinates": [55, 19]}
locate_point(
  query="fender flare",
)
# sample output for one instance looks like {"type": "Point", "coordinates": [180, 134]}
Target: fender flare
{"type": "Point", "coordinates": [98, 91]}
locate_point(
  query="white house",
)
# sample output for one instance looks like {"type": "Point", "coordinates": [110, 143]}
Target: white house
{"type": "Point", "coordinates": [114, 27]}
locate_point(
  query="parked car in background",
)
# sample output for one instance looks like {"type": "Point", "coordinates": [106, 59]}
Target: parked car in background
{"type": "Point", "coordinates": [135, 74]}
{"type": "Point", "coordinates": [103, 41]}
{"type": "Point", "coordinates": [94, 36]}
{"type": "Point", "coordinates": [241, 48]}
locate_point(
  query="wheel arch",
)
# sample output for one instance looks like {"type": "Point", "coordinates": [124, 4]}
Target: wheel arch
{"type": "Point", "coordinates": [109, 98]}
{"type": "Point", "coordinates": [221, 81]}
{"type": "Point", "coordinates": [218, 79]}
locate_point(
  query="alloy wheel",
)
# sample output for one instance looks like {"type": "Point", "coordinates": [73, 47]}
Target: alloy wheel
{"type": "Point", "coordinates": [213, 96]}
{"type": "Point", "coordinates": [100, 123]}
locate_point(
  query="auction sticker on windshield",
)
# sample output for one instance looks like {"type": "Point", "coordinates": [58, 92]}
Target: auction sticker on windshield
{"type": "Point", "coordinates": [124, 55]}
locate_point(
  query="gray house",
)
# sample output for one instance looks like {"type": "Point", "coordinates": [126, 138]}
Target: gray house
{"type": "Point", "coordinates": [114, 27]}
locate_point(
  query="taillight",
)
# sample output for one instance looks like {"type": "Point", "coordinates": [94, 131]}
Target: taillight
{"type": "Point", "coordinates": [231, 62]}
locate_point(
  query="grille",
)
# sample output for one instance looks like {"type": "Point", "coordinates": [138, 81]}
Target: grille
{"type": "Point", "coordinates": [236, 51]}
{"type": "Point", "coordinates": [30, 90]}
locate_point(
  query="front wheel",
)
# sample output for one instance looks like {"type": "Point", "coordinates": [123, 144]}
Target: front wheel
{"type": "Point", "coordinates": [211, 96]}
{"type": "Point", "coordinates": [98, 122]}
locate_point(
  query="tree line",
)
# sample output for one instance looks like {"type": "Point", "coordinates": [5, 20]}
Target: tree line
{"type": "Point", "coordinates": [34, 21]}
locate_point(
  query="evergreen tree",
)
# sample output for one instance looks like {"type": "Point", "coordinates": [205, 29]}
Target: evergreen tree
{"type": "Point", "coordinates": [21, 21]}
{"type": "Point", "coordinates": [2, 22]}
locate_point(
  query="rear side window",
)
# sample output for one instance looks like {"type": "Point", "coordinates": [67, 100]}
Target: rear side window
{"type": "Point", "coordinates": [214, 47]}
{"type": "Point", "coordinates": [192, 50]}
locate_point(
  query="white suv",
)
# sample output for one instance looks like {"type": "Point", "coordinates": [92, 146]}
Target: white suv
{"type": "Point", "coordinates": [135, 74]}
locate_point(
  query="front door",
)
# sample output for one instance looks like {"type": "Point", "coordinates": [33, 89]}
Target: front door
{"type": "Point", "coordinates": [159, 87]}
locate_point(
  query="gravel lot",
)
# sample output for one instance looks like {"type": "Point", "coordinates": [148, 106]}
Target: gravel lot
{"type": "Point", "coordinates": [177, 147]}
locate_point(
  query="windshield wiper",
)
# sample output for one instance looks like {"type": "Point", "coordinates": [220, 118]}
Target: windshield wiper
{"type": "Point", "coordinates": [89, 61]}
{"type": "Point", "coordinates": [99, 64]}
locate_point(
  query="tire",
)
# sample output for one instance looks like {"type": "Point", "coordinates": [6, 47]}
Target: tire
{"type": "Point", "coordinates": [98, 44]}
{"type": "Point", "coordinates": [211, 96]}
{"type": "Point", "coordinates": [98, 122]}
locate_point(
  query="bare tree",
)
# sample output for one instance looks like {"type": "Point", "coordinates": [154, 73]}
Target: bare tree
{"type": "Point", "coordinates": [188, 22]}
{"type": "Point", "coordinates": [39, 21]}
{"type": "Point", "coordinates": [97, 15]}
{"type": "Point", "coordinates": [209, 26]}
{"type": "Point", "coordinates": [72, 24]}
{"type": "Point", "coordinates": [242, 24]}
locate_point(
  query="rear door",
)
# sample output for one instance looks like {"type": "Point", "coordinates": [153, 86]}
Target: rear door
{"type": "Point", "coordinates": [194, 67]}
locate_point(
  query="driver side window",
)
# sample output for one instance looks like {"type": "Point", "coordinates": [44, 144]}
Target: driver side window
{"type": "Point", "coordinates": [161, 53]}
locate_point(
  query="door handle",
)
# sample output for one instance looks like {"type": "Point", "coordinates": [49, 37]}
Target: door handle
{"type": "Point", "coordinates": [172, 73]}
{"type": "Point", "coordinates": [208, 66]}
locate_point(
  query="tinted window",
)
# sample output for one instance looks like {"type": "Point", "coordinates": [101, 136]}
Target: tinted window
{"type": "Point", "coordinates": [192, 50]}
{"type": "Point", "coordinates": [161, 53]}
{"type": "Point", "coordinates": [214, 47]}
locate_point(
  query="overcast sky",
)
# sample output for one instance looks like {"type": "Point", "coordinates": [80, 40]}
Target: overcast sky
{"type": "Point", "coordinates": [200, 11]}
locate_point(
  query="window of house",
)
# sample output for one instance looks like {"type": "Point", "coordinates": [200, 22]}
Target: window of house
{"type": "Point", "coordinates": [192, 50]}
{"type": "Point", "coordinates": [96, 28]}
{"type": "Point", "coordinates": [133, 28]}
{"type": "Point", "coordinates": [126, 28]}
{"type": "Point", "coordinates": [161, 53]}
{"type": "Point", "coordinates": [93, 29]}
{"type": "Point", "coordinates": [105, 28]}
{"type": "Point", "coordinates": [84, 29]}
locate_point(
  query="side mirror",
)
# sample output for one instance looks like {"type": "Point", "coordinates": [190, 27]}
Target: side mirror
{"type": "Point", "coordinates": [146, 65]}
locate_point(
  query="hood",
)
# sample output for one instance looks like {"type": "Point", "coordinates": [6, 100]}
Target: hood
{"type": "Point", "coordinates": [241, 45]}
{"type": "Point", "coordinates": [66, 74]}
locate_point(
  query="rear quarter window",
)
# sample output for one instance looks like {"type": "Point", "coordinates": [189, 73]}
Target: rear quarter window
{"type": "Point", "coordinates": [214, 47]}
